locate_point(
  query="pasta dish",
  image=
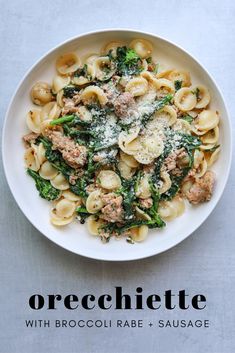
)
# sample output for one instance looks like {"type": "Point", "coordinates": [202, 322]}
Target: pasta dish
{"type": "Point", "coordinates": [121, 142]}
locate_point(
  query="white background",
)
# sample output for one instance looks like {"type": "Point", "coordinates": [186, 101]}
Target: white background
{"type": "Point", "coordinates": [204, 263]}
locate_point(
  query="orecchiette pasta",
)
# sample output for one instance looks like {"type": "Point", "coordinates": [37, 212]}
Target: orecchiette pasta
{"type": "Point", "coordinates": [207, 120]}
{"type": "Point", "coordinates": [65, 208]}
{"type": "Point", "coordinates": [185, 99]}
{"type": "Point", "coordinates": [59, 82]}
{"type": "Point", "coordinates": [84, 113]}
{"type": "Point", "coordinates": [109, 180]}
{"type": "Point", "coordinates": [167, 114]}
{"type": "Point", "coordinates": [94, 225]}
{"type": "Point", "coordinates": [121, 141]}
{"type": "Point", "coordinates": [41, 93]}
{"type": "Point", "coordinates": [143, 190]}
{"type": "Point", "coordinates": [167, 210]}
{"type": "Point", "coordinates": [128, 142]}
{"type": "Point", "coordinates": [40, 152]}
{"type": "Point", "coordinates": [67, 63]}
{"type": "Point", "coordinates": [211, 137]}
{"type": "Point", "coordinates": [50, 111]}
{"type": "Point", "coordinates": [47, 171]}
{"type": "Point", "coordinates": [129, 160]}
{"type": "Point", "coordinates": [142, 47]}
{"type": "Point", "coordinates": [33, 120]}
{"type": "Point", "coordinates": [203, 97]}
{"type": "Point", "coordinates": [31, 160]}
{"type": "Point", "coordinates": [212, 158]}
{"type": "Point", "coordinates": [137, 86]}
{"type": "Point", "coordinates": [164, 86]}
{"type": "Point", "coordinates": [59, 182]}
{"type": "Point", "coordinates": [165, 182]}
{"type": "Point", "coordinates": [139, 234]}
{"type": "Point", "coordinates": [151, 147]}
{"type": "Point", "coordinates": [92, 94]}
{"type": "Point", "coordinates": [111, 47]}
{"type": "Point", "coordinates": [126, 171]}
{"type": "Point", "coordinates": [67, 194]}
{"type": "Point", "coordinates": [90, 59]}
{"type": "Point", "coordinates": [94, 202]}
{"type": "Point", "coordinates": [104, 68]}
{"type": "Point", "coordinates": [181, 76]}
{"type": "Point", "coordinates": [60, 221]}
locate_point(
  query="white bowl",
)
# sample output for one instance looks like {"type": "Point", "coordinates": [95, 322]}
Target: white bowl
{"type": "Point", "coordinates": [75, 236]}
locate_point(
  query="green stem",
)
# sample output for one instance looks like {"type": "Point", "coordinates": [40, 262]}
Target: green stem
{"type": "Point", "coordinates": [63, 119]}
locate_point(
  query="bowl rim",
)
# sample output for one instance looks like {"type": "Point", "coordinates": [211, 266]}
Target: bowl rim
{"type": "Point", "coordinates": [144, 33]}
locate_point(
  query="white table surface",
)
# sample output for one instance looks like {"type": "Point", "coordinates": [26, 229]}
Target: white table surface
{"type": "Point", "coordinates": [204, 263]}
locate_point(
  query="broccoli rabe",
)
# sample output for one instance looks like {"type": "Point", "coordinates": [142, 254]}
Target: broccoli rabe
{"type": "Point", "coordinates": [178, 84]}
{"type": "Point", "coordinates": [83, 213]}
{"type": "Point", "coordinates": [127, 62]}
{"type": "Point", "coordinates": [62, 120]}
{"type": "Point", "coordinates": [113, 228]}
{"type": "Point", "coordinates": [70, 91]}
{"type": "Point", "coordinates": [44, 187]}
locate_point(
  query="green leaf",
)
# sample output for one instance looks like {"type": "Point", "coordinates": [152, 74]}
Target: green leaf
{"type": "Point", "coordinates": [44, 187]}
{"type": "Point", "coordinates": [188, 118]}
{"type": "Point", "coordinates": [178, 84]}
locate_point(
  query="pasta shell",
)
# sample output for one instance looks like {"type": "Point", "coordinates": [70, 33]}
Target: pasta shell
{"type": "Point", "coordinates": [151, 147]}
{"type": "Point", "coordinates": [165, 182]}
{"type": "Point", "coordinates": [94, 202]}
{"type": "Point", "coordinates": [182, 126]}
{"type": "Point", "coordinates": [104, 68]}
{"type": "Point", "coordinates": [89, 60]}
{"type": "Point", "coordinates": [31, 160]}
{"type": "Point", "coordinates": [167, 210]}
{"type": "Point", "coordinates": [185, 99]}
{"type": "Point", "coordinates": [204, 97]}
{"type": "Point", "coordinates": [164, 86]}
{"type": "Point", "coordinates": [67, 63]}
{"type": "Point", "coordinates": [41, 93]}
{"type": "Point", "coordinates": [109, 180]}
{"type": "Point", "coordinates": [139, 234]}
{"type": "Point", "coordinates": [180, 75]}
{"type": "Point", "coordinates": [128, 142]}
{"type": "Point", "coordinates": [207, 120]}
{"type": "Point", "coordinates": [59, 221]}
{"type": "Point", "coordinates": [167, 115]}
{"type": "Point", "coordinates": [69, 195]}
{"type": "Point", "coordinates": [59, 82]}
{"type": "Point", "coordinates": [111, 47]}
{"type": "Point", "coordinates": [94, 225]}
{"type": "Point", "coordinates": [143, 189]}
{"type": "Point", "coordinates": [41, 153]}
{"type": "Point", "coordinates": [213, 157]}
{"type": "Point", "coordinates": [138, 86]}
{"type": "Point", "coordinates": [211, 137]}
{"type": "Point", "coordinates": [59, 98]}
{"type": "Point", "coordinates": [126, 171]}
{"type": "Point", "coordinates": [59, 182]}
{"type": "Point", "coordinates": [142, 47]}
{"type": "Point", "coordinates": [33, 120]}
{"type": "Point", "coordinates": [129, 160]}
{"type": "Point", "coordinates": [47, 171]}
{"type": "Point", "coordinates": [50, 111]}
{"type": "Point", "coordinates": [65, 208]}
{"type": "Point", "coordinates": [179, 204]}
{"type": "Point", "coordinates": [93, 93]}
